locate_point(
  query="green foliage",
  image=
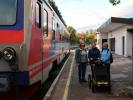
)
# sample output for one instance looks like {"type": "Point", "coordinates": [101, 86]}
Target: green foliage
{"type": "Point", "coordinates": [114, 2]}
{"type": "Point", "coordinates": [53, 5]}
{"type": "Point", "coordinates": [71, 29]}
{"type": "Point", "coordinates": [90, 38]}
{"type": "Point", "coordinates": [73, 37]}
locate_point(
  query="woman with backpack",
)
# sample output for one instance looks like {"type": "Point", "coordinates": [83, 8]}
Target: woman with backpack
{"type": "Point", "coordinates": [106, 57]}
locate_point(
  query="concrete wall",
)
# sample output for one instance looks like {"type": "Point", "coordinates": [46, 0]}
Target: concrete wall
{"type": "Point", "coordinates": [118, 34]}
{"type": "Point", "coordinates": [129, 44]}
{"type": "Point", "coordinates": [99, 40]}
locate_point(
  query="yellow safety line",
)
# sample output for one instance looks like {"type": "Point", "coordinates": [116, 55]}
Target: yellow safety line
{"type": "Point", "coordinates": [68, 81]}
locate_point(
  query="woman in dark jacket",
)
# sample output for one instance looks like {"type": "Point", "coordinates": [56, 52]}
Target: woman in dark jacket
{"type": "Point", "coordinates": [94, 53]}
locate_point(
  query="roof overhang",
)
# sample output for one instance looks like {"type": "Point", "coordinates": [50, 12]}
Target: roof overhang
{"type": "Point", "coordinates": [130, 28]}
{"type": "Point", "coordinates": [114, 23]}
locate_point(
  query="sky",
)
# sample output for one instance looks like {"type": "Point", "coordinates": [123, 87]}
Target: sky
{"type": "Point", "coordinates": [90, 14]}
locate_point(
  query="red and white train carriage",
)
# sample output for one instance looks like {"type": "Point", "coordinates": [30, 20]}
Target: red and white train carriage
{"type": "Point", "coordinates": [32, 39]}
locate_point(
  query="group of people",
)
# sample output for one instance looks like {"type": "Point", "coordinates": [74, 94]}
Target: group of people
{"type": "Point", "coordinates": [83, 57]}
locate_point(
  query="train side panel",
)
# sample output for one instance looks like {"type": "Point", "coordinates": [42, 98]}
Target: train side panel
{"type": "Point", "coordinates": [52, 49]}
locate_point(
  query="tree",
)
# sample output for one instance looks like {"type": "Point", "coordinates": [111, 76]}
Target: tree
{"type": "Point", "coordinates": [73, 37]}
{"type": "Point", "coordinates": [114, 2]}
{"type": "Point", "coordinates": [54, 6]}
{"type": "Point", "coordinates": [71, 29]}
{"type": "Point", "coordinates": [90, 38]}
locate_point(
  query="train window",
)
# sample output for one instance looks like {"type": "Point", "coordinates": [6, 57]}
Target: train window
{"type": "Point", "coordinates": [45, 23]}
{"type": "Point", "coordinates": [38, 15]}
{"type": "Point", "coordinates": [59, 30]}
{"type": "Point", "coordinates": [60, 37]}
{"type": "Point", "coordinates": [53, 29]}
{"type": "Point", "coordinates": [8, 11]}
{"type": "Point", "coordinates": [57, 26]}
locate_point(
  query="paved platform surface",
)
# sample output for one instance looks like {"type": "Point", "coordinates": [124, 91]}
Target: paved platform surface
{"type": "Point", "coordinates": [58, 92]}
{"type": "Point", "coordinates": [121, 72]}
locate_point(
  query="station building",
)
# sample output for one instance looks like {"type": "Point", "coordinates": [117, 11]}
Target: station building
{"type": "Point", "coordinates": [118, 32]}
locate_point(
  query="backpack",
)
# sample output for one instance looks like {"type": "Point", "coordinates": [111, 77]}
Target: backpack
{"type": "Point", "coordinates": [111, 56]}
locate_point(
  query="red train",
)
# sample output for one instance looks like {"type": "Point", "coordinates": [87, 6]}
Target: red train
{"type": "Point", "coordinates": [32, 40]}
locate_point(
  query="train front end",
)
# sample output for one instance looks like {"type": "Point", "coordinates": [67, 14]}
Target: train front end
{"type": "Point", "coordinates": [12, 48]}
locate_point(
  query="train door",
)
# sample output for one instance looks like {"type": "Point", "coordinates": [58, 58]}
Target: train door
{"type": "Point", "coordinates": [36, 41]}
{"type": "Point", "coordinates": [45, 43]}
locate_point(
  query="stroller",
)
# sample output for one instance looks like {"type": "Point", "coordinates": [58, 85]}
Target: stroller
{"type": "Point", "coordinates": [99, 76]}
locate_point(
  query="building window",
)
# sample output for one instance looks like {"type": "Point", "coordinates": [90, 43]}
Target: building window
{"type": "Point", "coordinates": [53, 29]}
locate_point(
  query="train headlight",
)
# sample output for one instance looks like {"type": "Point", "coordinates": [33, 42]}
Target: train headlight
{"type": "Point", "coordinates": [9, 54]}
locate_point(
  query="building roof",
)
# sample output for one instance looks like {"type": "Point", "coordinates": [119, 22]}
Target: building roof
{"type": "Point", "coordinates": [114, 23]}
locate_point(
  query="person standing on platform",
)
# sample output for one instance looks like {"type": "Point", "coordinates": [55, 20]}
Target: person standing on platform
{"type": "Point", "coordinates": [106, 57]}
{"type": "Point", "coordinates": [94, 53]}
{"type": "Point", "coordinates": [82, 60]}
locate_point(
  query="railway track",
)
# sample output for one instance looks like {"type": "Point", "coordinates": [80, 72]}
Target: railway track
{"type": "Point", "coordinates": [41, 92]}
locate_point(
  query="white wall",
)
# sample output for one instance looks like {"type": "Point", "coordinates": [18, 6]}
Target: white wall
{"type": "Point", "coordinates": [129, 44]}
{"type": "Point", "coordinates": [102, 36]}
{"type": "Point", "coordinates": [117, 34]}
{"type": "Point", "coordinates": [98, 41]}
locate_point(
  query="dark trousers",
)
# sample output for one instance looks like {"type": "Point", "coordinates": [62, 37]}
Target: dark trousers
{"type": "Point", "coordinates": [108, 71]}
{"type": "Point", "coordinates": [92, 71]}
{"type": "Point", "coordinates": [82, 71]}
{"type": "Point", "coordinates": [91, 65]}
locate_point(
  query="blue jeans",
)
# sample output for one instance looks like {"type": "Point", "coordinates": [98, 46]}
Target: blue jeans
{"type": "Point", "coordinates": [82, 71]}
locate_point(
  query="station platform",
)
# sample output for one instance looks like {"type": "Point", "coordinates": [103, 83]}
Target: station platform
{"type": "Point", "coordinates": [67, 86]}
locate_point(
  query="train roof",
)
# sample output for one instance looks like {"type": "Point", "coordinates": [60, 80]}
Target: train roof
{"type": "Point", "coordinates": [54, 13]}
